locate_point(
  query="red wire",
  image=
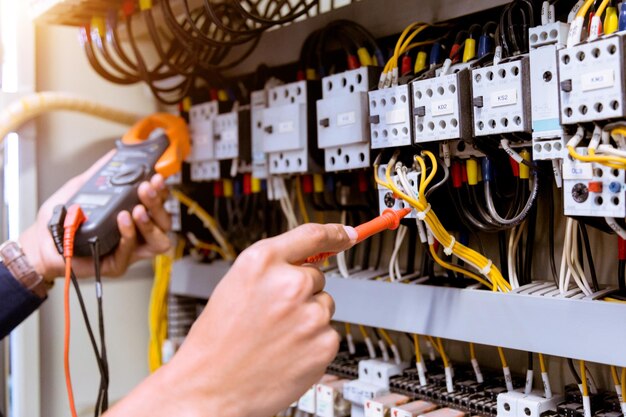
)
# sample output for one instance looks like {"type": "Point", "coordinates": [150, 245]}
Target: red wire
{"type": "Point", "coordinates": [66, 352]}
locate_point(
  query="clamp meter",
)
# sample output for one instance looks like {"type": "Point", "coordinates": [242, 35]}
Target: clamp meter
{"type": "Point", "coordinates": [156, 144]}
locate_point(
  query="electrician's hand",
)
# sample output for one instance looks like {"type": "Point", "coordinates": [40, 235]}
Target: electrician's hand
{"type": "Point", "coordinates": [143, 232]}
{"type": "Point", "coordinates": [263, 339]}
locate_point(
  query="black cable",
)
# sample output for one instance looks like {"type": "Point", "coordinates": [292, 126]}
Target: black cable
{"type": "Point", "coordinates": [104, 380]}
{"type": "Point", "coordinates": [504, 262]}
{"type": "Point", "coordinates": [90, 333]}
{"type": "Point", "coordinates": [551, 238]}
{"type": "Point", "coordinates": [531, 226]}
{"type": "Point", "coordinates": [530, 361]}
{"type": "Point", "coordinates": [621, 276]}
{"type": "Point", "coordinates": [572, 369]}
{"type": "Point", "coordinates": [592, 267]}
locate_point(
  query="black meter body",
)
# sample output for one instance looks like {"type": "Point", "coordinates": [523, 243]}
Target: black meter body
{"type": "Point", "coordinates": [113, 189]}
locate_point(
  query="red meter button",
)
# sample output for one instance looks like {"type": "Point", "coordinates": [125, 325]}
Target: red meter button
{"type": "Point", "coordinates": [129, 176]}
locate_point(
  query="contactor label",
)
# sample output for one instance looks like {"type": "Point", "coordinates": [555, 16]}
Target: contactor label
{"type": "Point", "coordinates": [597, 80]}
{"type": "Point", "coordinates": [345, 119]}
{"type": "Point", "coordinates": [442, 107]}
{"type": "Point", "coordinates": [395, 116]}
{"type": "Point", "coordinates": [504, 98]}
{"type": "Point", "coordinates": [285, 127]}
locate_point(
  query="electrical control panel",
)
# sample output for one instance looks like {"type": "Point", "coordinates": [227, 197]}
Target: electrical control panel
{"type": "Point", "coordinates": [591, 189]}
{"type": "Point", "coordinates": [390, 117]}
{"type": "Point", "coordinates": [442, 107]}
{"type": "Point", "coordinates": [343, 129]}
{"type": "Point", "coordinates": [501, 98]}
{"type": "Point", "coordinates": [544, 42]}
{"type": "Point", "coordinates": [231, 133]}
{"type": "Point", "coordinates": [592, 81]}
{"type": "Point", "coordinates": [258, 103]}
{"type": "Point", "coordinates": [290, 129]}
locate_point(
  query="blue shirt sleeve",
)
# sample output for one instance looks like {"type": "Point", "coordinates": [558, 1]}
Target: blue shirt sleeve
{"type": "Point", "coordinates": [16, 302]}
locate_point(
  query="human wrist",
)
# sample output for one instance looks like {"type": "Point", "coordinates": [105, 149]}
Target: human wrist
{"type": "Point", "coordinates": [30, 243]}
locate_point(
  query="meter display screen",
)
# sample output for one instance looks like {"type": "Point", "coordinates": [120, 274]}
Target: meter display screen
{"type": "Point", "coordinates": [92, 199]}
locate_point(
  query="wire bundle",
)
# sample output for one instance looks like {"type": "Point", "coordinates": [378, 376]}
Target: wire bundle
{"type": "Point", "coordinates": [436, 229]}
{"type": "Point", "coordinates": [191, 48]}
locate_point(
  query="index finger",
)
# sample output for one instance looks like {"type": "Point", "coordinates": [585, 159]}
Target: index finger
{"type": "Point", "coordinates": [311, 239]}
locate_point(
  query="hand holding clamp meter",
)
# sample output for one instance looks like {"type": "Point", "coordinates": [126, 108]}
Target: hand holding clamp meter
{"type": "Point", "coordinates": [156, 144]}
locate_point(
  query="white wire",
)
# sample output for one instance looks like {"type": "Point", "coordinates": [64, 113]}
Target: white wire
{"type": "Point", "coordinates": [342, 265]}
{"type": "Point", "coordinates": [514, 239]}
{"type": "Point", "coordinates": [394, 265]}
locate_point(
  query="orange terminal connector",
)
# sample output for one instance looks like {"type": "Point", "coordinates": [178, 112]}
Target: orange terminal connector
{"type": "Point", "coordinates": [389, 220]}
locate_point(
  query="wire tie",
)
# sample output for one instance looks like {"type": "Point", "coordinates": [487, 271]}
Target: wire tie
{"type": "Point", "coordinates": [487, 267]}
{"type": "Point", "coordinates": [448, 250]}
{"type": "Point", "coordinates": [421, 215]}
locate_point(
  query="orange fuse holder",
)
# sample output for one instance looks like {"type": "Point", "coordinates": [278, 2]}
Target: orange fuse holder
{"type": "Point", "coordinates": [389, 220]}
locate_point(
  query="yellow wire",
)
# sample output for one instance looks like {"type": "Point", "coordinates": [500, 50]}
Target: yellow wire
{"type": "Point", "coordinates": [608, 160]}
{"type": "Point", "coordinates": [416, 342]}
{"type": "Point", "coordinates": [623, 384]}
{"type": "Point", "coordinates": [614, 375]}
{"type": "Point", "coordinates": [444, 357]}
{"type": "Point", "coordinates": [583, 377]}
{"type": "Point", "coordinates": [208, 221]}
{"type": "Point", "coordinates": [502, 357]}
{"type": "Point", "coordinates": [601, 8]}
{"type": "Point", "coordinates": [363, 331]}
{"type": "Point", "coordinates": [386, 337]}
{"type": "Point", "coordinates": [300, 198]}
{"type": "Point", "coordinates": [472, 351]}
{"type": "Point", "coordinates": [614, 300]}
{"type": "Point", "coordinates": [210, 246]}
{"type": "Point", "coordinates": [542, 363]}
{"type": "Point", "coordinates": [348, 328]}
{"type": "Point", "coordinates": [439, 232]}
{"type": "Point", "coordinates": [582, 12]}
{"type": "Point", "coordinates": [457, 269]}
{"type": "Point", "coordinates": [157, 310]}
{"type": "Point", "coordinates": [434, 344]}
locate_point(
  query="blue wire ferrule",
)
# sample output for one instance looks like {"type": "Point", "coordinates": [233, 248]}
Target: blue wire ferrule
{"type": "Point", "coordinates": [485, 45]}
{"type": "Point", "coordinates": [622, 18]}
{"type": "Point", "coordinates": [486, 169]}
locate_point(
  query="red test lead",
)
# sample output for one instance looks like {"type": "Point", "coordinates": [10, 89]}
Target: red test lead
{"type": "Point", "coordinates": [389, 220]}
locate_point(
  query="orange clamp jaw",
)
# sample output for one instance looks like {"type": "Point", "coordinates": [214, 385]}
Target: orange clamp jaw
{"type": "Point", "coordinates": [389, 220]}
{"type": "Point", "coordinates": [176, 130]}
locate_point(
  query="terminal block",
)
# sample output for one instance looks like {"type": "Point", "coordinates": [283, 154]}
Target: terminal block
{"type": "Point", "coordinates": [258, 103]}
{"type": "Point", "coordinates": [442, 107]}
{"type": "Point", "coordinates": [390, 117]}
{"type": "Point", "coordinates": [231, 133]}
{"type": "Point", "coordinates": [501, 98]}
{"type": "Point", "coordinates": [343, 129]}
{"type": "Point", "coordinates": [386, 198]}
{"type": "Point", "coordinates": [592, 81]}
{"type": "Point", "coordinates": [544, 42]}
{"type": "Point", "coordinates": [548, 149]}
{"type": "Point", "coordinates": [374, 380]}
{"type": "Point", "coordinates": [592, 189]}
{"type": "Point", "coordinates": [289, 128]}
{"type": "Point", "coordinates": [205, 171]}
{"type": "Point", "coordinates": [330, 401]}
